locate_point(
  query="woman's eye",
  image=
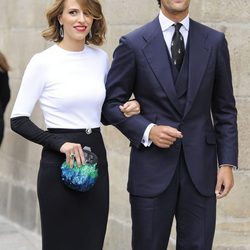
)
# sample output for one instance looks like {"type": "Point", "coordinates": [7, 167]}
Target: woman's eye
{"type": "Point", "coordinates": [73, 12]}
{"type": "Point", "coordinates": [86, 13]}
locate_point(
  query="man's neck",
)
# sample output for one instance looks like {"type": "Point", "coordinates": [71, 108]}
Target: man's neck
{"type": "Point", "coordinates": [175, 16]}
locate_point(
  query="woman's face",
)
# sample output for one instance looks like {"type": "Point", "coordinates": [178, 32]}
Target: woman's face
{"type": "Point", "coordinates": [76, 22]}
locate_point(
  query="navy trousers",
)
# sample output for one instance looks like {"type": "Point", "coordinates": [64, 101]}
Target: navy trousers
{"type": "Point", "coordinates": [195, 216]}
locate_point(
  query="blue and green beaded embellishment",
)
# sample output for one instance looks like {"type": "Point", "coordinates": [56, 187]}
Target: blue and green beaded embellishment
{"type": "Point", "coordinates": [81, 178]}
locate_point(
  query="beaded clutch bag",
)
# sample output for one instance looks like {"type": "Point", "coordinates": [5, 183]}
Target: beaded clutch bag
{"type": "Point", "coordinates": [81, 178]}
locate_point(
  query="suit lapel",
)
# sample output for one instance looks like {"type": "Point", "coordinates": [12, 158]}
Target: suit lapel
{"type": "Point", "coordinates": [155, 52]}
{"type": "Point", "coordinates": [198, 52]}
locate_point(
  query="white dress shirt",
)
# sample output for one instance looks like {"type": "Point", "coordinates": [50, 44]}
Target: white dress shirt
{"type": "Point", "coordinates": [168, 31]}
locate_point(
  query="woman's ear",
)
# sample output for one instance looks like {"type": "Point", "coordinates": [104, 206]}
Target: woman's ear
{"type": "Point", "coordinates": [59, 18]}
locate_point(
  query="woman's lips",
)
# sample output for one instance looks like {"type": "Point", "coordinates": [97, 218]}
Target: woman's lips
{"type": "Point", "coordinates": [80, 28]}
{"type": "Point", "coordinates": [178, 1]}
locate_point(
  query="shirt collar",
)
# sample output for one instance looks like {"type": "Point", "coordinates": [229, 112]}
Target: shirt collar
{"type": "Point", "coordinates": [166, 23]}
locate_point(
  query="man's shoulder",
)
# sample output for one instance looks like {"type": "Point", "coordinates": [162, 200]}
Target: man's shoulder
{"type": "Point", "coordinates": [205, 29]}
{"type": "Point", "coordinates": [143, 30]}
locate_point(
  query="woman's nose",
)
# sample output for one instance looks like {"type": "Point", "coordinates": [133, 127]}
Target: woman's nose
{"type": "Point", "coordinates": [82, 17]}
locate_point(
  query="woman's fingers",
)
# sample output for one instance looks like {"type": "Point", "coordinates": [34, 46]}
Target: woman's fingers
{"type": "Point", "coordinates": [71, 158]}
{"type": "Point", "coordinates": [73, 152]}
{"type": "Point", "coordinates": [79, 157]}
{"type": "Point", "coordinates": [130, 108]}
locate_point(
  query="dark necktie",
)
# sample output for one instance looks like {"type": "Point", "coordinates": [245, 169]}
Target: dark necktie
{"type": "Point", "coordinates": [177, 46]}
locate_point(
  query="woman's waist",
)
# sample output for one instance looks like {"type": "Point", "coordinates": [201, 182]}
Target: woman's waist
{"type": "Point", "coordinates": [87, 131]}
{"type": "Point", "coordinates": [72, 121]}
{"type": "Point", "coordinates": [89, 137]}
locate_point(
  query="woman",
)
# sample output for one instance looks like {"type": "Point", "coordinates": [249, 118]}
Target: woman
{"type": "Point", "coordinates": [4, 91]}
{"type": "Point", "coordinates": [68, 80]}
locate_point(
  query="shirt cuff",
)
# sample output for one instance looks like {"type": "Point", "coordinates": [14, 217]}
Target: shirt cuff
{"type": "Point", "coordinates": [145, 139]}
{"type": "Point", "coordinates": [228, 165]}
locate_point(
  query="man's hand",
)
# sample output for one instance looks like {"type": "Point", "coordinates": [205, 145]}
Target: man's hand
{"type": "Point", "coordinates": [164, 136]}
{"type": "Point", "coordinates": [225, 181]}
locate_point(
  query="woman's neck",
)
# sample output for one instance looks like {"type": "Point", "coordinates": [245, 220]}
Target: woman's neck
{"type": "Point", "coordinates": [72, 46]}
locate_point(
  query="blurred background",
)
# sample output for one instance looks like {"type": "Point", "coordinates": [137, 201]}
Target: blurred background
{"type": "Point", "coordinates": [21, 23]}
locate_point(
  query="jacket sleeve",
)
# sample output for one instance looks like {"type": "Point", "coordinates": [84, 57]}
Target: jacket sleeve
{"type": "Point", "coordinates": [223, 108]}
{"type": "Point", "coordinates": [120, 85]}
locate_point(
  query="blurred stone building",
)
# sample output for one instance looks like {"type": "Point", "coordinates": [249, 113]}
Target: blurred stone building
{"type": "Point", "coordinates": [21, 22]}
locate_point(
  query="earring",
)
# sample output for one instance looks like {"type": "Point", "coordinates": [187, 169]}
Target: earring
{"type": "Point", "coordinates": [61, 32]}
{"type": "Point", "coordinates": [90, 34]}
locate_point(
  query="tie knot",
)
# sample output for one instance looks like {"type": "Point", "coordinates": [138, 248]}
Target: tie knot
{"type": "Point", "coordinates": [177, 26]}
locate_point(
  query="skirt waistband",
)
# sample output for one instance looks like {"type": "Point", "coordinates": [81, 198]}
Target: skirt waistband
{"type": "Point", "coordinates": [87, 131]}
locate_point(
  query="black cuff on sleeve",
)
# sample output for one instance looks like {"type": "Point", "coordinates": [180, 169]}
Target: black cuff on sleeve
{"type": "Point", "coordinates": [26, 128]}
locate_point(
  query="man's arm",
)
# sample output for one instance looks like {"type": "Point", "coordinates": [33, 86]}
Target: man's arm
{"type": "Point", "coordinates": [120, 84]}
{"type": "Point", "coordinates": [225, 121]}
{"type": "Point", "coordinates": [223, 109]}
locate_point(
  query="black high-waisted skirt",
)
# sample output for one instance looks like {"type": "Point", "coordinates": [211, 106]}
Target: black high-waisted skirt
{"type": "Point", "coordinates": [72, 220]}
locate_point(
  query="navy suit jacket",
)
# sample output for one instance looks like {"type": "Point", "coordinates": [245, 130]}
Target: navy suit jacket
{"type": "Point", "coordinates": [141, 67]}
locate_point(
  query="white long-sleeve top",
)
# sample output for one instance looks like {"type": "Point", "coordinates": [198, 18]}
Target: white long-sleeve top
{"type": "Point", "coordinates": [70, 87]}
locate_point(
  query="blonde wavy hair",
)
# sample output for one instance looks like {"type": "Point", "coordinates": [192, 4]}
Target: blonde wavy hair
{"type": "Point", "coordinates": [98, 29]}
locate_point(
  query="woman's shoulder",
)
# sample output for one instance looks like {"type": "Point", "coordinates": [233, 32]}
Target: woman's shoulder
{"type": "Point", "coordinates": [39, 60]}
{"type": "Point", "coordinates": [45, 53]}
{"type": "Point", "coordinates": [43, 57]}
{"type": "Point", "coordinates": [97, 51]}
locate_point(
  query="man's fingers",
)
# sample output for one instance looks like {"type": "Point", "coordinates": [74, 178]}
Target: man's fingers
{"type": "Point", "coordinates": [225, 189]}
{"type": "Point", "coordinates": [162, 145]}
{"type": "Point", "coordinates": [225, 182]}
{"type": "Point", "coordinates": [222, 189]}
{"type": "Point", "coordinates": [174, 132]}
{"type": "Point", "coordinates": [164, 136]}
{"type": "Point", "coordinates": [165, 141]}
{"type": "Point", "coordinates": [171, 135]}
{"type": "Point", "coordinates": [219, 187]}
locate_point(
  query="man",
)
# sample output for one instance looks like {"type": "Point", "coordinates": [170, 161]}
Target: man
{"type": "Point", "coordinates": [179, 71]}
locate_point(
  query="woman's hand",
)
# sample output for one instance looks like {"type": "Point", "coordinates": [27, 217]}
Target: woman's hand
{"type": "Point", "coordinates": [130, 108]}
{"type": "Point", "coordinates": [73, 151]}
